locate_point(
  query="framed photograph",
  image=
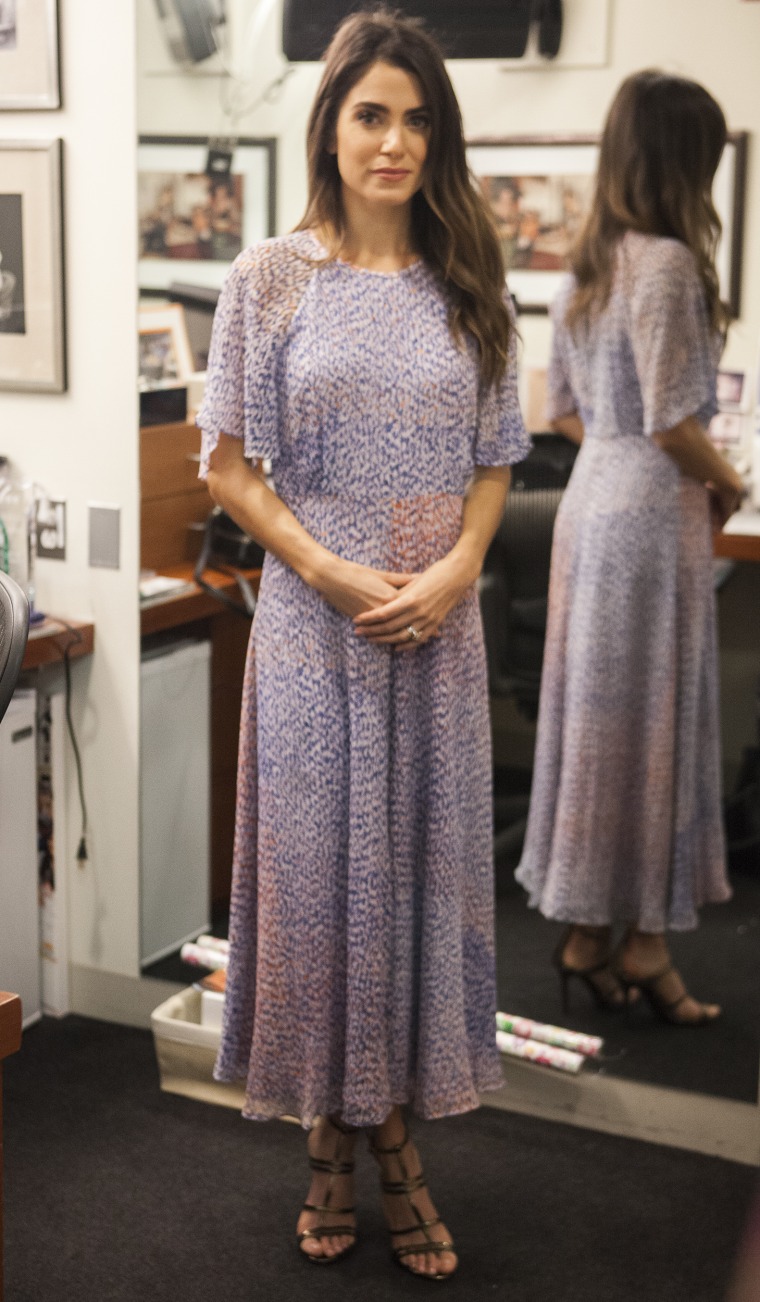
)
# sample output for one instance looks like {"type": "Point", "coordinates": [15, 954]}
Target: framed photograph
{"type": "Point", "coordinates": [29, 77]}
{"type": "Point", "coordinates": [166, 358]}
{"type": "Point", "coordinates": [193, 223]}
{"type": "Point", "coordinates": [32, 346]}
{"type": "Point", "coordinates": [731, 390]}
{"type": "Point", "coordinates": [539, 190]}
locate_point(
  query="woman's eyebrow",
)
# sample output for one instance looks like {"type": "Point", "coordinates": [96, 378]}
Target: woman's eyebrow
{"type": "Point", "coordinates": [383, 108]}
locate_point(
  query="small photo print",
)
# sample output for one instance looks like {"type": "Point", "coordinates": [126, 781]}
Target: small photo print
{"type": "Point", "coordinates": [7, 25]}
{"type": "Point", "coordinates": [730, 388]}
{"type": "Point", "coordinates": [537, 217]}
{"type": "Point", "coordinates": [726, 429]}
{"type": "Point", "coordinates": [12, 311]}
{"type": "Point", "coordinates": [190, 216]}
{"type": "Point", "coordinates": [158, 357]}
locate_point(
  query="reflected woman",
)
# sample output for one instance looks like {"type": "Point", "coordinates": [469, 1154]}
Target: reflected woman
{"type": "Point", "coordinates": [625, 820]}
{"type": "Point", "coordinates": [370, 356]}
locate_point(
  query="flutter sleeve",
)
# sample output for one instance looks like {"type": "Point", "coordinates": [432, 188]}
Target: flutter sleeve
{"type": "Point", "coordinates": [675, 349]}
{"type": "Point", "coordinates": [241, 394]}
{"type": "Point", "coordinates": [501, 438]}
{"type": "Point", "coordinates": [560, 399]}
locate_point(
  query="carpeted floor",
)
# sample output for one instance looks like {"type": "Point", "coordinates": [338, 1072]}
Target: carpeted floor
{"type": "Point", "coordinates": [116, 1191]}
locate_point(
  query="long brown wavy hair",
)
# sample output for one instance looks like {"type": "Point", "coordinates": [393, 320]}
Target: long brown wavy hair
{"type": "Point", "coordinates": [451, 226]}
{"type": "Point", "coordinates": [661, 146]}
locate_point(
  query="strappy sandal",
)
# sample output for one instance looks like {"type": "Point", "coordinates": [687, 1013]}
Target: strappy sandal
{"type": "Point", "coordinates": [604, 994]}
{"type": "Point", "coordinates": [666, 1009]}
{"type": "Point", "coordinates": [403, 1188]}
{"type": "Point", "coordinates": [333, 1167]}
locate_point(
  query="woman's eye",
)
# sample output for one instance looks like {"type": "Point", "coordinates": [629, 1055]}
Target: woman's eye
{"type": "Point", "coordinates": [366, 116]}
{"type": "Point", "coordinates": [420, 122]}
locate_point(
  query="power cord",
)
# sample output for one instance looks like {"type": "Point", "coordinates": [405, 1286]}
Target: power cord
{"type": "Point", "coordinates": [75, 640]}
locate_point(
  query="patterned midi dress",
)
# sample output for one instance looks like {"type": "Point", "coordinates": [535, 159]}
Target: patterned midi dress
{"type": "Point", "coordinates": [362, 967]}
{"type": "Point", "coordinates": [625, 817]}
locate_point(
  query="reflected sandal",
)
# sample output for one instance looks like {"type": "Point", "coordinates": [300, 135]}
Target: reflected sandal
{"type": "Point", "coordinates": [664, 1008]}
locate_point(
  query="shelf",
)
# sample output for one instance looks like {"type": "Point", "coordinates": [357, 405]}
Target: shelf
{"type": "Point", "coordinates": [49, 640]}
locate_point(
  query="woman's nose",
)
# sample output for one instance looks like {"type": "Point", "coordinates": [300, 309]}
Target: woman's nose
{"type": "Point", "coordinates": [394, 140]}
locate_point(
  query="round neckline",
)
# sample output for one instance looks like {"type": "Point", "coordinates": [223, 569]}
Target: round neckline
{"type": "Point", "coordinates": [367, 271]}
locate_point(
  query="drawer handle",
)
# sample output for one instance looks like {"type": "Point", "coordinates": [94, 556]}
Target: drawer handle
{"type": "Point", "coordinates": [192, 456]}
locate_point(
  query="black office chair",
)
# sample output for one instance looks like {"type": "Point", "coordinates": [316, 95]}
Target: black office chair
{"type": "Point", "coordinates": [14, 629]}
{"type": "Point", "coordinates": [514, 590]}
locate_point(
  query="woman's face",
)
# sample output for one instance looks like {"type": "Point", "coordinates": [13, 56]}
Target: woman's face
{"type": "Point", "coordinates": [381, 137]}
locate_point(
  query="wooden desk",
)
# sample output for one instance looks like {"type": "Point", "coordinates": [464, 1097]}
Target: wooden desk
{"type": "Point", "coordinates": [48, 641]}
{"type": "Point", "coordinates": [188, 606]}
{"type": "Point", "coordinates": [199, 613]}
{"type": "Point", "coordinates": [738, 546]}
{"type": "Point", "coordinates": [10, 1042]}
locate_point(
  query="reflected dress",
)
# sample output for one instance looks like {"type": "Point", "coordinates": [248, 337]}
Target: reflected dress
{"type": "Point", "coordinates": [362, 970]}
{"type": "Point", "coordinates": [625, 818]}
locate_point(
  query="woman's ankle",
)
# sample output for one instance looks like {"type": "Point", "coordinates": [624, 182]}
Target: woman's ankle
{"type": "Point", "coordinates": [645, 949]}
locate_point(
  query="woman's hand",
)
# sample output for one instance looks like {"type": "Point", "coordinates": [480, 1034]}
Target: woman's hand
{"type": "Point", "coordinates": [422, 604]}
{"type": "Point", "coordinates": [724, 500]}
{"type": "Point", "coordinates": [352, 588]}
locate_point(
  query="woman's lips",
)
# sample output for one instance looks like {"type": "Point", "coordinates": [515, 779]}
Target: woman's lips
{"type": "Point", "coordinates": [391, 173]}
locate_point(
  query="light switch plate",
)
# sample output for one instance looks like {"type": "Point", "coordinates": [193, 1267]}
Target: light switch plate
{"type": "Point", "coordinates": [105, 535]}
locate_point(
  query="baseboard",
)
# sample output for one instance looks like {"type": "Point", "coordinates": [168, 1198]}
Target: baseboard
{"type": "Point", "coordinates": [681, 1119]}
{"type": "Point", "coordinates": [111, 997]}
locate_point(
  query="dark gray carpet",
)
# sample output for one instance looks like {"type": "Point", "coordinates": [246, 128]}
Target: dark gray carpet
{"type": "Point", "coordinates": [118, 1192]}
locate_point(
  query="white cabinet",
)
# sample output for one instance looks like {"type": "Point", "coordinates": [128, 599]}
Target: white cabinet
{"type": "Point", "coordinates": [174, 797]}
{"type": "Point", "coordinates": [19, 911]}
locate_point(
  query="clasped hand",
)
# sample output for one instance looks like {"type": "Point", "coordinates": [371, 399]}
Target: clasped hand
{"type": "Point", "coordinates": [383, 605]}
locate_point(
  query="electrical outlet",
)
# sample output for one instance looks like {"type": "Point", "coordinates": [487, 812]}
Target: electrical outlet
{"type": "Point", "coordinates": [51, 530]}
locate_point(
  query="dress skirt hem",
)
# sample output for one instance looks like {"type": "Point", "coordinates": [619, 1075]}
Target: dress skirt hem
{"type": "Point", "coordinates": [257, 1109]}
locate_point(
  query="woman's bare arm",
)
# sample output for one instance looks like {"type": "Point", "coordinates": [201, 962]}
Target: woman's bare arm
{"type": "Point", "coordinates": [570, 426]}
{"type": "Point", "coordinates": [696, 456]}
{"type": "Point", "coordinates": [243, 493]}
{"type": "Point", "coordinates": [428, 598]}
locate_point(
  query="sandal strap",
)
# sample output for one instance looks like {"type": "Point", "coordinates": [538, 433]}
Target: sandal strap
{"type": "Point", "coordinates": [331, 1167]}
{"type": "Point", "coordinates": [410, 1249]}
{"type": "Point", "coordinates": [332, 1211]}
{"type": "Point", "coordinates": [394, 1148]}
{"type": "Point", "coordinates": [323, 1232]}
{"type": "Point", "coordinates": [421, 1225]}
{"type": "Point", "coordinates": [404, 1186]}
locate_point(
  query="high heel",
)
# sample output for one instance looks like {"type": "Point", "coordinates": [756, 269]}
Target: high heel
{"type": "Point", "coordinates": [404, 1187]}
{"type": "Point", "coordinates": [664, 1008]}
{"type": "Point", "coordinates": [334, 1167]}
{"type": "Point", "coordinates": [605, 998]}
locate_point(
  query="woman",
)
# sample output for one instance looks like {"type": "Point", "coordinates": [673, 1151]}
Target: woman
{"type": "Point", "coordinates": [370, 356]}
{"type": "Point", "coordinates": [625, 819]}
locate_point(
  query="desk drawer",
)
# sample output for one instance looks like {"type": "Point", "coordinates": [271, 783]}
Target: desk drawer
{"type": "Point", "coordinates": [168, 460]}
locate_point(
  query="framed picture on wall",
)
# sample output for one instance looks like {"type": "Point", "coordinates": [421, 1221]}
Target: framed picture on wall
{"type": "Point", "coordinates": [539, 190]}
{"type": "Point", "coordinates": [32, 346]}
{"type": "Point", "coordinates": [165, 354]}
{"type": "Point", "coordinates": [29, 77]}
{"type": "Point", "coordinates": [193, 223]}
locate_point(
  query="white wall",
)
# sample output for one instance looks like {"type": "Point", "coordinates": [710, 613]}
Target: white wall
{"type": "Point", "coordinates": [83, 446]}
{"type": "Point", "coordinates": [715, 41]}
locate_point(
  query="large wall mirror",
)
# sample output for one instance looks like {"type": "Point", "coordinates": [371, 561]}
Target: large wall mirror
{"type": "Point", "coordinates": [248, 99]}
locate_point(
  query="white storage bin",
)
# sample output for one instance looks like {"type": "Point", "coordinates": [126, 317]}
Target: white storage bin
{"type": "Point", "coordinates": [186, 1051]}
